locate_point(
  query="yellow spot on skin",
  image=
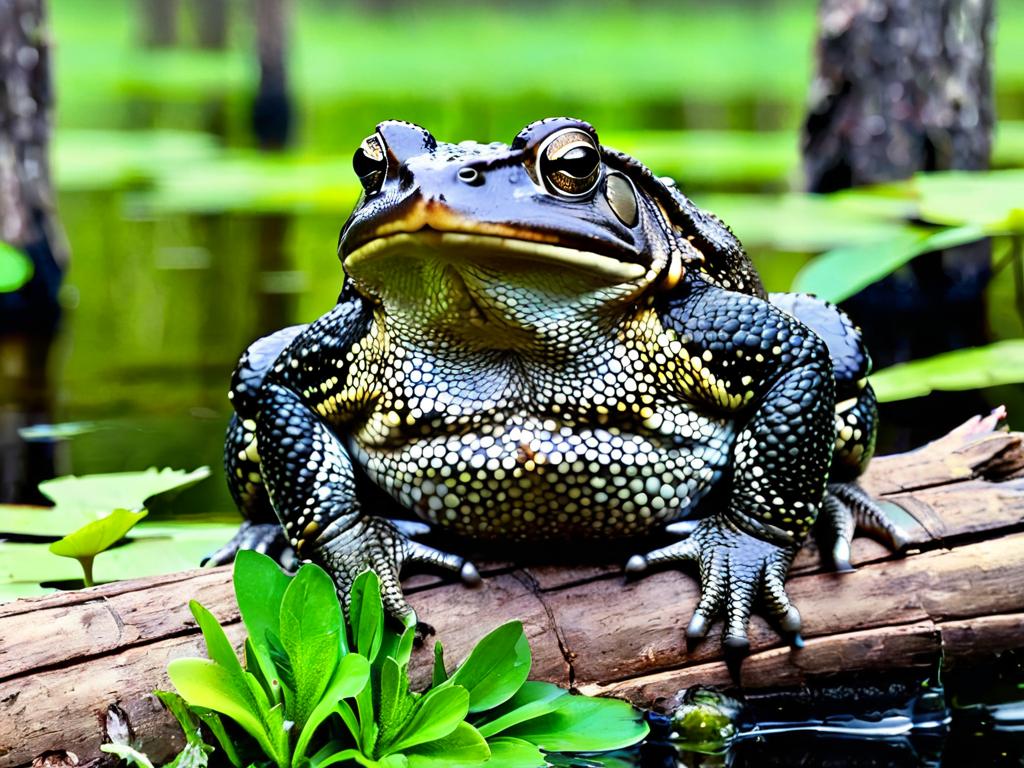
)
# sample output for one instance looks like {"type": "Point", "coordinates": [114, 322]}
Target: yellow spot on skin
{"type": "Point", "coordinates": [310, 530]}
{"type": "Point", "coordinates": [846, 405]}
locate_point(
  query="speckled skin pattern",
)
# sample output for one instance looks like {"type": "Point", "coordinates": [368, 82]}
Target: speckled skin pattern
{"type": "Point", "coordinates": [543, 341]}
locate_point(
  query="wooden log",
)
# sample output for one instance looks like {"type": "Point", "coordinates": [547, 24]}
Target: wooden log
{"type": "Point", "coordinates": [960, 591]}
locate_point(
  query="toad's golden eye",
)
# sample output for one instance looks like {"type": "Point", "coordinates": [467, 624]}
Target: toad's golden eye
{"type": "Point", "coordinates": [370, 163]}
{"type": "Point", "coordinates": [569, 163]}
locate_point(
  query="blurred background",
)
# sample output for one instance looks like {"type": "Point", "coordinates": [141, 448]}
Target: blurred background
{"type": "Point", "coordinates": [201, 157]}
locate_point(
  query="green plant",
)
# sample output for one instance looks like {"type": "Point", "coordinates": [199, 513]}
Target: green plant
{"type": "Point", "coordinates": [317, 691]}
{"type": "Point", "coordinates": [82, 510]}
{"type": "Point", "coordinates": [93, 538]}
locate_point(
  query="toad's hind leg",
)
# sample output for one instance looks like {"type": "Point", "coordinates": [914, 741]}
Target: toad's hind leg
{"type": "Point", "coordinates": [847, 508]}
{"type": "Point", "coordinates": [311, 483]}
{"type": "Point", "coordinates": [260, 530]}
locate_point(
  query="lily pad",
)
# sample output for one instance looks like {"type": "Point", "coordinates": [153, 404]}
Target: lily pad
{"type": "Point", "coordinates": [128, 490]}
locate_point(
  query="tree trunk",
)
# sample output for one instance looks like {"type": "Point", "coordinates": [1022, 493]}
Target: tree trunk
{"type": "Point", "coordinates": [29, 316]}
{"type": "Point", "coordinates": [904, 86]}
{"type": "Point", "coordinates": [272, 110]}
{"type": "Point", "coordinates": [958, 593]}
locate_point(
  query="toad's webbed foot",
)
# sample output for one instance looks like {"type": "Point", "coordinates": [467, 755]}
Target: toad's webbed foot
{"type": "Point", "coordinates": [387, 548]}
{"type": "Point", "coordinates": [846, 509]}
{"type": "Point", "coordinates": [266, 538]}
{"type": "Point", "coordinates": [736, 569]}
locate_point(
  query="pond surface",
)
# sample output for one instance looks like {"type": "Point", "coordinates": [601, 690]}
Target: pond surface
{"type": "Point", "coordinates": [188, 242]}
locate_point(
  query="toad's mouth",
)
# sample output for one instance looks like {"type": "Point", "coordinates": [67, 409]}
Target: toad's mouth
{"type": "Point", "coordinates": [492, 250]}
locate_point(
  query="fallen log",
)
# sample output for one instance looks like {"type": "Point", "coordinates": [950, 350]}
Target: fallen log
{"type": "Point", "coordinates": [958, 591]}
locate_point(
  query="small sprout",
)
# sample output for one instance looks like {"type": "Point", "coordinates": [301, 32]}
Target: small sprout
{"type": "Point", "coordinates": [98, 536]}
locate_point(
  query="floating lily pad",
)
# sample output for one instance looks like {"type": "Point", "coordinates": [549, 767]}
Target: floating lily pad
{"type": "Point", "coordinates": [128, 490]}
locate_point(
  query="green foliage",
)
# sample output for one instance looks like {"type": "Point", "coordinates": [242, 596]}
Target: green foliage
{"type": "Point", "coordinates": [317, 691]}
{"type": "Point", "coordinates": [93, 538]}
{"type": "Point", "coordinates": [15, 268]}
{"type": "Point", "coordinates": [967, 207]}
{"type": "Point", "coordinates": [83, 514]}
{"type": "Point", "coordinates": [973, 368]}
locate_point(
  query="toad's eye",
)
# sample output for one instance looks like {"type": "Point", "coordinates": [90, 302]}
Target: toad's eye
{"type": "Point", "coordinates": [370, 163]}
{"type": "Point", "coordinates": [569, 163]}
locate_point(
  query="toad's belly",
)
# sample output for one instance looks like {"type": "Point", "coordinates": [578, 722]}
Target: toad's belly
{"type": "Point", "coordinates": [522, 478]}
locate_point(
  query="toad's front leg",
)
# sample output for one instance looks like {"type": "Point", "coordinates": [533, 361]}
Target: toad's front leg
{"type": "Point", "coordinates": [775, 375]}
{"type": "Point", "coordinates": [311, 483]}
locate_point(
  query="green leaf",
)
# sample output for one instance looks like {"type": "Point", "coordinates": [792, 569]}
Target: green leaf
{"type": "Point", "coordinates": [462, 748]}
{"type": "Point", "coordinates": [196, 752]}
{"type": "Point", "coordinates": [405, 643]}
{"type": "Point", "coordinates": [204, 683]}
{"type": "Point", "coordinates": [310, 627]}
{"type": "Point", "coordinates": [439, 674]}
{"type": "Point", "coordinates": [435, 716]}
{"type": "Point", "coordinates": [366, 614]}
{"type": "Point", "coordinates": [584, 724]}
{"type": "Point", "coordinates": [130, 490]}
{"type": "Point", "coordinates": [95, 537]}
{"type": "Point", "coordinates": [840, 273]}
{"type": "Point", "coordinates": [280, 661]}
{"type": "Point", "coordinates": [496, 667]}
{"type": "Point", "coordinates": [396, 703]}
{"type": "Point", "coordinates": [15, 268]}
{"type": "Point", "coordinates": [218, 647]}
{"type": "Point", "coordinates": [260, 585]}
{"type": "Point", "coordinates": [992, 200]}
{"type": "Point", "coordinates": [128, 754]}
{"type": "Point", "coordinates": [533, 699]}
{"type": "Point", "coordinates": [507, 752]}
{"type": "Point", "coordinates": [212, 721]}
{"type": "Point", "coordinates": [973, 368]}
{"type": "Point", "coordinates": [350, 677]}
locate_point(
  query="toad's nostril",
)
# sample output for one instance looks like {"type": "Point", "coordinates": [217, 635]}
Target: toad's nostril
{"type": "Point", "coordinates": [471, 176]}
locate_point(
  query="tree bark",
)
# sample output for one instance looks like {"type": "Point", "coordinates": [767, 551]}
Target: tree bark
{"type": "Point", "coordinates": [272, 109]}
{"type": "Point", "coordinates": [904, 86]}
{"type": "Point", "coordinates": [959, 593]}
{"type": "Point", "coordinates": [29, 316]}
